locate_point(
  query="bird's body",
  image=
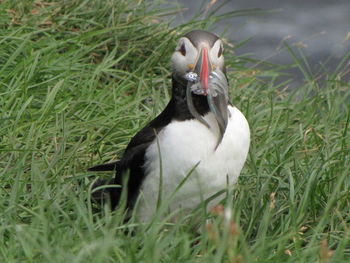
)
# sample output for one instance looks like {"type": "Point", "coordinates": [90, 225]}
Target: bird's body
{"type": "Point", "coordinates": [185, 151]}
{"type": "Point", "coordinates": [177, 148]}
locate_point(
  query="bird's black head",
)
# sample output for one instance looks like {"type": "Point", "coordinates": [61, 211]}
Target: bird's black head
{"type": "Point", "coordinates": [198, 51]}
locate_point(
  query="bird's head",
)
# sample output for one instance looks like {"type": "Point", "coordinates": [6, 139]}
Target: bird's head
{"type": "Point", "coordinates": [198, 63]}
{"type": "Point", "coordinates": [198, 51]}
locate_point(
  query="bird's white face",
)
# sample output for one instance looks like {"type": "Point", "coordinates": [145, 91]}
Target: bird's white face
{"type": "Point", "coordinates": [188, 58]}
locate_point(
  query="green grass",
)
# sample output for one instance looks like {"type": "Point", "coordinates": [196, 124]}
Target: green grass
{"type": "Point", "coordinates": [79, 78]}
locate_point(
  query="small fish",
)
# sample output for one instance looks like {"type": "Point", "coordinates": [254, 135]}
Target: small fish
{"type": "Point", "coordinates": [193, 85]}
{"type": "Point", "coordinates": [217, 96]}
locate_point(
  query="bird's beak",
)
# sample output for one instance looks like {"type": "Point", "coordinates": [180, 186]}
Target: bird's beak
{"type": "Point", "coordinates": [203, 68]}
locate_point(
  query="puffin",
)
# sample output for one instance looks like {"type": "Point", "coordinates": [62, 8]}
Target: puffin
{"type": "Point", "coordinates": [194, 148]}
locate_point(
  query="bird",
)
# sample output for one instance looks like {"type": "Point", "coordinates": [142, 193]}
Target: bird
{"type": "Point", "coordinates": [195, 147]}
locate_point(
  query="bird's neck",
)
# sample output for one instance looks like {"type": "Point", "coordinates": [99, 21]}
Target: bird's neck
{"type": "Point", "coordinates": [179, 101]}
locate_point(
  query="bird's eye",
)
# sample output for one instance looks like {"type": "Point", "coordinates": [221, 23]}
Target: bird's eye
{"type": "Point", "coordinates": [183, 49]}
{"type": "Point", "coordinates": [220, 52]}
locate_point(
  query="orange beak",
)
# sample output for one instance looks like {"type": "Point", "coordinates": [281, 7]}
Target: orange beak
{"type": "Point", "coordinates": [203, 69]}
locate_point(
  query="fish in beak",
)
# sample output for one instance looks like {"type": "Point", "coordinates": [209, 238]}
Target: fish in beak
{"type": "Point", "coordinates": [212, 84]}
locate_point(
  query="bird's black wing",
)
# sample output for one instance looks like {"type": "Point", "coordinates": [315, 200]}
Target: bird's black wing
{"type": "Point", "coordinates": [134, 158]}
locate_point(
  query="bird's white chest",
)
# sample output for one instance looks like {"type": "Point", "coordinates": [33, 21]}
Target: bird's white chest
{"type": "Point", "coordinates": [188, 147]}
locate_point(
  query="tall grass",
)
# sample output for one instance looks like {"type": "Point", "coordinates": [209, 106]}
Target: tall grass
{"type": "Point", "coordinates": [79, 78]}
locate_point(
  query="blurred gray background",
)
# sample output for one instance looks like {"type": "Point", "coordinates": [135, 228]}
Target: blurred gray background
{"type": "Point", "coordinates": [320, 27]}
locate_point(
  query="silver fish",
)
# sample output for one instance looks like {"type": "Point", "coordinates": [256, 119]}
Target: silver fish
{"type": "Point", "coordinates": [193, 85]}
{"type": "Point", "coordinates": [217, 96]}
